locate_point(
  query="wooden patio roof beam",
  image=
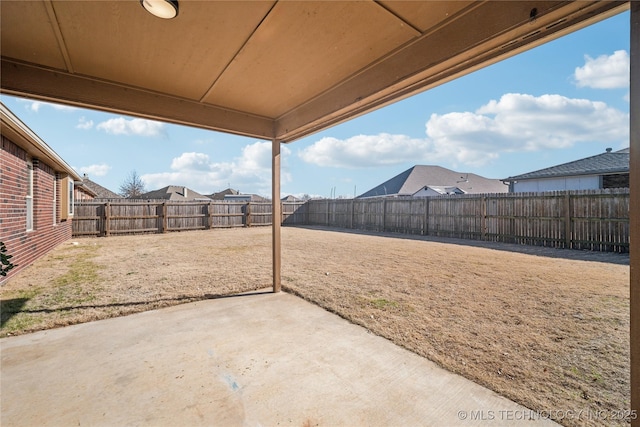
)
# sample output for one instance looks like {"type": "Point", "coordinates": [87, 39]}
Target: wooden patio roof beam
{"type": "Point", "coordinates": [22, 79]}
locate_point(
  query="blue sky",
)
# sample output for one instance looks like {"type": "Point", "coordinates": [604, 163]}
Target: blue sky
{"type": "Point", "coordinates": [562, 101]}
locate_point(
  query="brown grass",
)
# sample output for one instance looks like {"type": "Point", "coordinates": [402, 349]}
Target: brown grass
{"type": "Point", "coordinates": [546, 328]}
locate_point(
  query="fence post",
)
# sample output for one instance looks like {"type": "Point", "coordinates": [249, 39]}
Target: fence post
{"type": "Point", "coordinates": [327, 217]}
{"type": "Point", "coordinates": [107, 219]}
{"type": "Point", "coordinates": [425, 227]}
{"type": "Point", "coordinates": [247, 213]}
{"type": "Point", "coordinates": [567, 221]}
{"type": "Point", "coordinates": [483, 218]}
{"type": "Point", "coordinates": [384, 214]}
{"type": "Point", "coordinates": [352, 211]}
{"type": "Point", "coordinates": [160, 220]}
{"type": "Point", "coordinates": [165, 220]}
{"type": "Point", "coordinates": [209, 215]}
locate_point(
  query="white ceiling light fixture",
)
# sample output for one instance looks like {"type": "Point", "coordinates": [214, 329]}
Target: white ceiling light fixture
{"type": "Point", "coordinates": [165, 9]}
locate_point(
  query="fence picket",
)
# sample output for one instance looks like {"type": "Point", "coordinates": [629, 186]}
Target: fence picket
{"type": "Point", "coordinates": [593, 219]}
{"type": "Point", "coordinates": [589, 219]}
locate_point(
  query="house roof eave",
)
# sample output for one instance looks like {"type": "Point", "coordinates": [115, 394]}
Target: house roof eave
{"type": "Point", "coordinates": [523, 177]}
{"type": "Point", "coordinates": [20, 133]}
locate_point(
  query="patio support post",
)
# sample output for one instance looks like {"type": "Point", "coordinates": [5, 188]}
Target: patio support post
{"type": "Point", "coordinates": [634, 210]}
{"type": "Point", "coordinates": [276, 215]}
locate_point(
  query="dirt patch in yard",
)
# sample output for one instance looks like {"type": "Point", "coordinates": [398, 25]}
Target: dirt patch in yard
{"type": "Point", "coordinates": [546, 328]}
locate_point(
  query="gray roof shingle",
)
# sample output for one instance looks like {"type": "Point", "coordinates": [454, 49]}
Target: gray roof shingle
{"type": "Point", "coordinates": [610, 162]}
{"type": "Point", "coordinates": [101, 192]}
{"type": "Point", "coordinates": [172, 192]}
{"type": "Point", "coordinates": [410, 181]}
{"type": "Point", "coordinates": [220, 194]}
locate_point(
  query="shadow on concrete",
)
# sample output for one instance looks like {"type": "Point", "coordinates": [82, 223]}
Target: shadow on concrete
{"type": "Point", "coordinates": [571, 254]}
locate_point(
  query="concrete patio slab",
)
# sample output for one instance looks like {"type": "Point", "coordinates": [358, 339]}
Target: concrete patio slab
{"type": "Point", "coordinates": [259, 359]}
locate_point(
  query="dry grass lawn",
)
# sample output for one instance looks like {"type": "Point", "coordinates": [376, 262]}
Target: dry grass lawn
{"type": "Point", "coordinates": [546, 328]}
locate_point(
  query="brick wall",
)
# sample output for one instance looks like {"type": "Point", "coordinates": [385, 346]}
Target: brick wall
{"type": "Point", "coordinates": [27, 246]}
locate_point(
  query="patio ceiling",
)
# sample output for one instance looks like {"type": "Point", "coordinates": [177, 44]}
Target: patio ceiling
{"type": "Point", "coordinates": [281, 70]}
{"type": "Point", "coordinates": [267, 69]}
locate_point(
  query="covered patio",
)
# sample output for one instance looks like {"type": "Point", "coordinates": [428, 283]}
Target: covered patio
{"type": "Point", "coordinates": [281, 70]}
{"type": "Point", "coordinates": [222, 362]}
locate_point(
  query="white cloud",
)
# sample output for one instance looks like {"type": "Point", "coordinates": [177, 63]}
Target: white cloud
{"type": "Point", "coordinates": [141, 127]}
{"type": "Point", "coordinates": [604, 72]}
{"type": "Point", "coordinates": [524, 123]}
{"type": "Point", "coordinates": [256, 158]}
{"type": "Point", "coordinates": [192, 162]}
{"type": "Point", "coordinates": [83, 123]}
{"type": "Point", "coordinates": [365, 150]}
{"type": "Point", "coordinates": [94, 170]}
{"type": "Point", "coordinates": [36, 105]}
{"type": "Point", "coordinates": [249, 173]}
{"type": "Point", "coordinates": [516, 122]}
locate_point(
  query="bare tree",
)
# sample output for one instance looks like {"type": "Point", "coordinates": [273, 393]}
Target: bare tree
{"type": "Point", "coordinates": [132, 185]}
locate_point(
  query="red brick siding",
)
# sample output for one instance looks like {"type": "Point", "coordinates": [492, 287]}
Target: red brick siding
{"type": "Point", "coordinates": [25, 246]}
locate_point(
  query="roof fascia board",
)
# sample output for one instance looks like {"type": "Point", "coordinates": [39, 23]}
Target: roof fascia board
{"type": "Point", "coordinates": [29, 81]}
{"type": "Point", "coordinates": [568, 175]}
{"type": "Point", "coordinates": [32, 143]}
{"type": "Point", "coordinates": [396, 77]}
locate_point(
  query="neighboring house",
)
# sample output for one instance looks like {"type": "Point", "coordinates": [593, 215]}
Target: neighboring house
{"type": "Point", "coordinates": [435, 190]}
{"type": "Point", "coordinates": [220, 195]}
{"type": "Point", "coordinates": [37, 192]}
{"type": "Point", "coordinates": [606, 170]}
{"type": "Point", "coordinates": [291, 199]}
{"type": "Point", "coordinates": [173, 193]}
{"type": "Point", "coordinates": [101, 192]}
{"type": "Point", "coordinates": [424, 181]}
{"type": "Point", "coordinates": [82, 192]}
{"type": "Point", "coordinates": [254, 198]}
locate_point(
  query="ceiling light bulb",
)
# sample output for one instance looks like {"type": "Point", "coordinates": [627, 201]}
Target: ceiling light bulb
{"type": "Point", "coordinates": [165, 9]}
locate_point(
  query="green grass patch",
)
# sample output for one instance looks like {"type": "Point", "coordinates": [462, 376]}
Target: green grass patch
{"type": "Point", "coordinates": [19, 322]}
{"type": "Point", "coordinates": [381, 303]}
{"type": "Point", "coordinates": [81, 269]}
{"type": "Point", "coordinates": [76, 286]}
{"type": "Point", "coordinates": [27, 309]}
{"type": "Point", "coordinates": [12, 305]}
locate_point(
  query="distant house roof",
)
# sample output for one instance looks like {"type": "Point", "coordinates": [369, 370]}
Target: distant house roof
{"type": "Point", "coordinates": [100, 191]}
{"type": "Point", "coordinates": [416, 178]}
{"type": "Point", "coordinates": [245, 198]}
{"type": "Point", "coordinates": [220, 195]}
{"type": "Point", "coordinates": [290, 198]}
{"type": "Point", "coordinates": [257, 198]}
{"type": "Point", "coordinates": [173, 192]}
{"type": "Point", "coordinates": [609, 162]}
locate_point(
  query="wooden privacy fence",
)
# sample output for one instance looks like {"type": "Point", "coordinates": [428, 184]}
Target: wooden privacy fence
{"type": "Point", "coordinates": [145, 216]}
{"type": "Point", "coordinates": [593, 220]}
